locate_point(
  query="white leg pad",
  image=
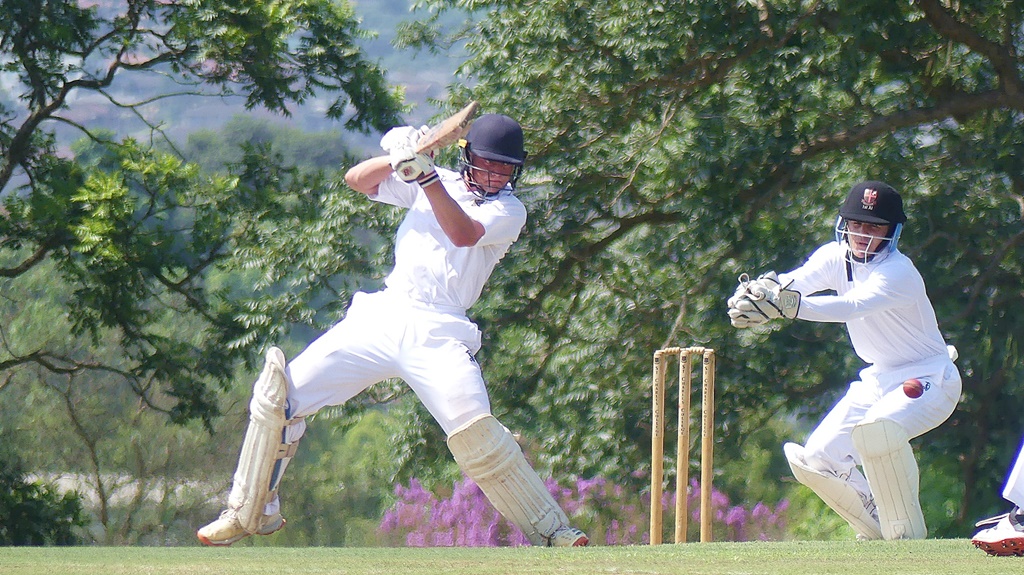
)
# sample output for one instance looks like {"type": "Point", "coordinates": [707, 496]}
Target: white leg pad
{"type": "Point", "coordinates": [892, 473]}
{"type": "Point", "coordinates": [836, 492]}
{"type": "Point", "coordinates": [264, 453]}
{"type": "Point", "coordinates": [490, 456]}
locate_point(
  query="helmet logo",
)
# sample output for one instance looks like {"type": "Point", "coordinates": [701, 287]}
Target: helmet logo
{"type": "Point", "coordinates": [869, 199]}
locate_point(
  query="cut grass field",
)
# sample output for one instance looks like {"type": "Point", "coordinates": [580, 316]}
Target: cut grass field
{"type": "Point", "coordinates": [930, 557]}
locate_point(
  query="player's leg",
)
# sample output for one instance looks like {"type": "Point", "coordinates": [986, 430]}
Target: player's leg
{"type": "Point", "coordinates": [892, 472]}
{"type": "Point", "coordinates": [827, 464]}
{"type": "Point", "coordinates": [490, 456]}
{"type": "Point", "coordinates": [447, 379]}
{"type": "Point", "coordinates": [882, 441]}
{"type": "Point", "coordinates": [855, 506]}
{"type": "Point", "coordinates": [348, 358]}
{"type": "Point", "coordinates": [262, 460]}
{"type": "Point", "coordinates": [1014, 489]}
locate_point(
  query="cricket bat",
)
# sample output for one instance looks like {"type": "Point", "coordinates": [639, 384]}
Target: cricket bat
{"type": "Point", "coordinates": [448, 131]}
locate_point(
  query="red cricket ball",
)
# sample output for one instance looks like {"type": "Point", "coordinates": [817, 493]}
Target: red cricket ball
{"type": "Point", "coordinates": [913, 388]}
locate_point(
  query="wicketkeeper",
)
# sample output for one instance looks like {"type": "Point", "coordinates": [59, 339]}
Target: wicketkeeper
{"type": "Point", "coordinates": [458, 225]}
{"type": "Point", "coordinates": [861, 279]}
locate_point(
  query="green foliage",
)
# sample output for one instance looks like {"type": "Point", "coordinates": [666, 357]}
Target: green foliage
{"type": "Point", "coordinates": [33, 512]}
{"type": "Point", "coordinates": [87, 430]}
{"type": "Point", "coordinates": [128, 273]}
{"type": "Point", "coordinates": [282, 53]}
{"type": "Point", "coordinates": [136, 232]}
{"type": "Point", "coordinates": [150, 483]}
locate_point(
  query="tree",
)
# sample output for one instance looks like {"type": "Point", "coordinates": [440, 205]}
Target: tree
{"type": "Point", "coordinates": [675, 145]}
{"type": "Point", "coordinates": [126, 271]}
{"type": "Point", "coordinates": [137, 232]}
{"type": "Point", "coordinates": [33, 512]}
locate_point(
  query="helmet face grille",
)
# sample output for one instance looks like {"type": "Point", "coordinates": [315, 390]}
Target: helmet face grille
{"type": "Point", "coordinates": [844, 236]}
{"type": "Point", "coordinates": [468, 170]}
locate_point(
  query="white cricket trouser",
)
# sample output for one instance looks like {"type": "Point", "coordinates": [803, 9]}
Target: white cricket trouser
{"type": "Point", "coordinates": [879, 395]}
{"type": "Point", "coordinates": [385, 336]}
{"type": "Point", "coordinates": [1013, 491]}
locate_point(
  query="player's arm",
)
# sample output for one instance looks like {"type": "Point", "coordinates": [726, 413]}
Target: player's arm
{"type": "Point", "coordinates": [411, 165]}
{"type": "Point", "coordinates": [406, 147]}
{"type": "Point", "coordinates": [367, 175]}
{"type": "Point", "coordinates": [875, 295]}
{"type": "Point", "coordinates": [462, 230]}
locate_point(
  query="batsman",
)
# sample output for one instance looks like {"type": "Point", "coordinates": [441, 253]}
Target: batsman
{"type": "Point", "coordinates": [458, 225]}
{"type": "Point", "coordinates": [910, 384]}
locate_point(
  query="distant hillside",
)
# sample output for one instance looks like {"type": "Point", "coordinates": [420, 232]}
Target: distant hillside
{"type": "Point", "coordinates": [423, 75]}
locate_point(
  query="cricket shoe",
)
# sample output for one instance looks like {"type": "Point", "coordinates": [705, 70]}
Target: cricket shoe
{"type": "Point", "coordinates": [568, 537]}
{"type": "Point", "coordinates": [991, 521]}
{"type": "Point", "coordinates": [226, 529]}
{"type": "Point", "coordinates": [1005, 538]}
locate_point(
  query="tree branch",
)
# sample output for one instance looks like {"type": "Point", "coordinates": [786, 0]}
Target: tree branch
{"type": "Point", "coordinates": [1002, 59]}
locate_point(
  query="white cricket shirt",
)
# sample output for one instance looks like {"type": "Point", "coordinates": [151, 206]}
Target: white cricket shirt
{"type": "Point", "coordinates": [429, 268]}
{"type": "Point", "coordinates": [888, 315]}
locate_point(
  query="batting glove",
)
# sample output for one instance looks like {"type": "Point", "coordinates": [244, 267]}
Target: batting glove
{"type": "Point", "coordinates": [401, 138]}
{"type": "Point", "coordinates": [411, 166]}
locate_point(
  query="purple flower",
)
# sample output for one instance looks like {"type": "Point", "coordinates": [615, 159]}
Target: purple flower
{"type": "Point", "coordinates": [415, 539]}
{"type": "Point", "coordinates": [607, 511]}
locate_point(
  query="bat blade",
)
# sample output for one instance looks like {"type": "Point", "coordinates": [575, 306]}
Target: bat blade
{"type": "Point", "coordinates": [448, 131]}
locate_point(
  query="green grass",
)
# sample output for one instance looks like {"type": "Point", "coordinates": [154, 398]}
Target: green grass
{"type": "Point", "coordinates": [930, 557]}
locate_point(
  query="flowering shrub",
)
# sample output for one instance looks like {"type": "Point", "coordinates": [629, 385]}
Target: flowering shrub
{"type": "Point", "coordinates": [606, 511]}
{"type": "Point", "coordinates": [465, 519]}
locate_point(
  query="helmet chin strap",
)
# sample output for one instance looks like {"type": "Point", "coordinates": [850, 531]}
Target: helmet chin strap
{"type": "Point", "coordinates": [852, 258]}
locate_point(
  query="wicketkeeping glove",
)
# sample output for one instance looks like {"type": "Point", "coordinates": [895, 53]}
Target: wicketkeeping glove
{"type": "Point", "coordinates": [747, 287]}
{"type": "Point", "coordinates": [758, 301]}
{"type": "Point", "coordinates": [742, 319]}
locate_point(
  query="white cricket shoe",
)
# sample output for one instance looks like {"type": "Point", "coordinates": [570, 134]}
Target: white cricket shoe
{"type": "Point", "coordinates": [568, 537]}
{"type": "Point", "coordinates": [226, 529]}
{"type": "Point", "coordinates": [1005, 538]}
